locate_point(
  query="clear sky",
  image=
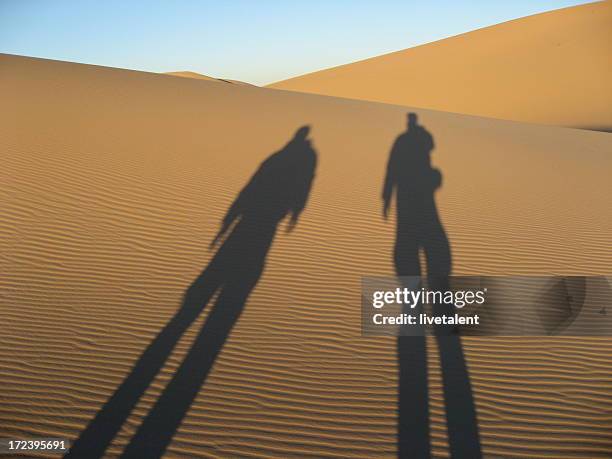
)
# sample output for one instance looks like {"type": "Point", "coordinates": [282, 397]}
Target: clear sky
{"type": "Point", "coordinates": [258, 41]}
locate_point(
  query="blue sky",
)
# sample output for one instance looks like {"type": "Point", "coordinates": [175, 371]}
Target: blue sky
{"type": "Point", "coordinates": [254, 41]}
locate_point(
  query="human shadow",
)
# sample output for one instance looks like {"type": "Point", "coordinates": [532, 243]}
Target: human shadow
{"type": "Point", "coordinates": [419, 230]}
{"type": "Point", "coordinates": [279, 188]}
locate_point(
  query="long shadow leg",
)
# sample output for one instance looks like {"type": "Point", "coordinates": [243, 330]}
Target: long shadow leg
{"type": "Point", "coordinates": [158, 428]}
{"type": "Point", "coordinates": [413, 403]}
{"type": "Point", "coordinates": [460, 408]}
{"type": "Point", "coordinates": [413, 422]}
{"type": "Point", "coordinates": [461, 419]}
{"type": "Point", "coordinates": [94, 440]}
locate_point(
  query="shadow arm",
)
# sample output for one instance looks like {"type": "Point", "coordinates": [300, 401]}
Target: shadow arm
{"type": "Point", "coordinates": [303, 190]}
{"type": "Point", "coordinates": [237, 207]}
{"type": "Point", "coordinates": [390, 178]}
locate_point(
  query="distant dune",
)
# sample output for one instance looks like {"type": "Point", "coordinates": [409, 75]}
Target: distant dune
{"type": "Point", "coordinates": [187, 74]}
{"type": "Point", "coordinates": [114, 182]}
{"type": "Point", "coordinates": [551, 68]}
{"type": "Point", "coordinates": [199, 76]}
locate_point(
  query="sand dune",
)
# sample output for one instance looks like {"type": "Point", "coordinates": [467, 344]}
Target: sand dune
{"type": "Point", "coordinates": [114, 182]}
{"type": "Point", "coordinates": [199, 76]}
{"type": "Point", "coordinates": [187, 74]}
{"type": "Point", "coordinates": [551, 68]}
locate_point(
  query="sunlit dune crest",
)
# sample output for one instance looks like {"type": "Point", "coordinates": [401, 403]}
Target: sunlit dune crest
{"type": "Point", "coordinates": [550, 68]}
{"type": "Point", "coordinates": [199, 76]}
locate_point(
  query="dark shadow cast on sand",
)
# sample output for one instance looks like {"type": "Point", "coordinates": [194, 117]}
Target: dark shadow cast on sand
{"type": "Point", "coordinates": [279, 188]}
{"type": "Point", "coordinates": [413, 181]}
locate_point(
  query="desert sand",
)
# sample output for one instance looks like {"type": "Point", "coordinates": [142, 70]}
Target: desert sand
{"type": "Point", "coordinates": [551, 68]}
{"type": "Point", "coordinates": [114, 183]}
{"type": "Point", "coordinates": [199, 76]}
{"type": "Point", "coordinates": [188, 74]}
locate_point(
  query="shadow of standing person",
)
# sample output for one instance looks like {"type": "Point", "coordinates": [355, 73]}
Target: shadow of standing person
{"type": "Point", "coordinates": [419, 230]}
{"type": "Point", "coordinates": [280, 187]}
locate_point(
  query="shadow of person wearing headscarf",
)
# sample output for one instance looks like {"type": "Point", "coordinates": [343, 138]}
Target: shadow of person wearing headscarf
{"type": "Point", "coordinates": [419, 230]}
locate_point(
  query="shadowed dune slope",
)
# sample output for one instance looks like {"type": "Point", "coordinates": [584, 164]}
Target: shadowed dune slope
{"type": "Point", "coordinates": [550, 68]}
{"type": "Point", "coordinates": [113, 184]}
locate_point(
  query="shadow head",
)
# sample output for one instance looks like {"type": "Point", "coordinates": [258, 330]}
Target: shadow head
{"type": "Point", "coordinates": [301, 134]}
{"type": "Point", "coordinates": [413, 119]}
